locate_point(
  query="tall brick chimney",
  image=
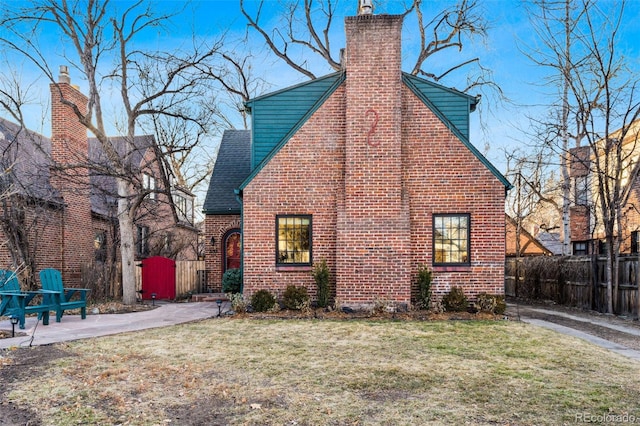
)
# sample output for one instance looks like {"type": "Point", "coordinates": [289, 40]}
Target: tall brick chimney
{"type": "Point", "coordinates": [373, 221]}
{"type": "Point", "coordinates": [70, 147]}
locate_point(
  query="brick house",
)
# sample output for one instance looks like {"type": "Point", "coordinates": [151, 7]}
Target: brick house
{"type": "Point", "coordinates": [222, 206]}
{"type": "Point", "coordinates": [587, 237]}
{"type": "Point", "coordinates": [370, 169]}
{"type": "Point", "coordinates": [69, 210]}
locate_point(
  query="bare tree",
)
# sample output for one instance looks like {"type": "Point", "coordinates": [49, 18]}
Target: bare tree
{"type": "Point", "coordinates": [305, 32]}
{"type": "Point", "coordinates": [555, 23]}
{"type": "Point", "coordinates": [148, 83]}
{"type": "Point", "coordinates": [27, 202]}
{"type": "Point", "coordinates": [597, 97]}
{"type": "Point", "coordinates": [186, 143]}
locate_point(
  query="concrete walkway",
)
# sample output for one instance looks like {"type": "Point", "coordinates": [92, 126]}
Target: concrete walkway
{"type": "Point", "coordinates": [72, 327]}
{"type": "Point", "coordinates": [612, 346]}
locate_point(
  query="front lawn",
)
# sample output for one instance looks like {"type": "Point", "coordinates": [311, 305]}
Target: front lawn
{"type": "Point", "coordinates": [307, 372]}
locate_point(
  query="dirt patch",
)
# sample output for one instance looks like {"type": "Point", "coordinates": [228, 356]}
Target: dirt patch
{"type": "Point", "coordinates": [18, 364]}
{"type": "Point", "coordinates": [322, 314]}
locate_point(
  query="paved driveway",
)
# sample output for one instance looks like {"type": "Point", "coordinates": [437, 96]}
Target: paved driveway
{"type": "Point", "coordinates": [619, 335]}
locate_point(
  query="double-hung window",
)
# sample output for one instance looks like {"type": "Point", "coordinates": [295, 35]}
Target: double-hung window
{"type": "Point", "coordinates": [451, 239]}
{"type": "Point", "coordinates": [142, 240]}
{"type": "Point", "coordinates": [149, 184]}
{"type": "Point", "coordinates": [293, 240]}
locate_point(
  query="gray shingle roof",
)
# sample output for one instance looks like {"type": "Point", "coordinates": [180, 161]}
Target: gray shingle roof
{"type": "Point", "coordinates": [232, 167]}
{"type": "Point", "coordinates": [29, 156]}
{"type": "Point", "coordinates": [103, 187]}
{"type": "Point", "coordinates": [25, 155]}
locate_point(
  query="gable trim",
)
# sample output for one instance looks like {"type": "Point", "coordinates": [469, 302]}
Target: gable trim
{"type": "Point", "coordinates": [294, 129]}
{"type": "Point", "coordinates": [407, 81]}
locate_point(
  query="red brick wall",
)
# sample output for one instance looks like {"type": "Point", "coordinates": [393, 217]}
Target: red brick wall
{"type": "Point", "coordinates": [157, 214]}
{"type": "Point", "coordinates": [217, 226]}
{"type": "Point", "coordinates": [44, 238]}
{"type": "Point", "coordinates": [441, 175]}
{"type": "Point", "coordinates": [372, 166]}
{"type": "Point", "coordinates": [373, 226]}
{"type": "Point", "coordinates": [69, 145]}
{"type": "Point", "coordinates": [305, 177]}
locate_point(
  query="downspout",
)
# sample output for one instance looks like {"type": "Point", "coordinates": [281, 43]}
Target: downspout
{"type": "Point", "coordinates": [239, 200]}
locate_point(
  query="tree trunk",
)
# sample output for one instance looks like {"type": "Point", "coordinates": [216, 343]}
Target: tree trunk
{"type": "Point", "coordinates": [609, 283]}
{"type": "Point", "coordinates": [127, 245]}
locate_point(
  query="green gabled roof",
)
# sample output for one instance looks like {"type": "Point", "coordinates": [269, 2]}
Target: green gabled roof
{"type": "Point", "coordinates": [276, 117]}
{"type": "Point", "coordinates": [452, 108]}
{"type": "Point", "coordinates": [450, 105]}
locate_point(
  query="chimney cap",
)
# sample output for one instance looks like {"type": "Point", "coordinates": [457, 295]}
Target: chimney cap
{"type": "Point", "coordinates": [365, 7]}
{"type": "Point", "coordinates": [63, 77]}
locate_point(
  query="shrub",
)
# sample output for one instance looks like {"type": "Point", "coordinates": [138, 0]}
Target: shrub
{"type": "Point", "coordinates": [322, 276]}
{"type": "Point", "coordinates": [238, 302]}
{"type": "Point", "coordinates": [491, 303]}
{"type": "Point", "coordinates": [294, 297]}
{"type": "Point", "coordinates": [455, 300]}
{"type": "Point", "coordinates": [232, 281]}
{"type": "Point", "coordinates": [501, 306]}
{"type": "Point", "coordinates": [262, 301]}
{"type": "Point", "coordinates": [424, 287]}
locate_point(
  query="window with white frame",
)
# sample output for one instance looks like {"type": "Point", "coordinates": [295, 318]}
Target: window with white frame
{"type": "Point", "coordinates": [582, 190]}
{"type": "Point", "coordinates": [184, 207]}
{"type": "Point", "coordinates": [149, 184]}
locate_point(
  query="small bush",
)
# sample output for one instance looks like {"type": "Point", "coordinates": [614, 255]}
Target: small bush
{"type": "Point", "coordinates": [232, 281]}
{"type": "Point", "coordinates": [294, 297]}
{"type": "Point", "coordinates": [262, 301]}
{"type": "Point", "coordinates": [238, 302]}
{"type": "Point", "coordinates": [455, 300]}
{"type": "Point", "coordinates": [322, 276]}
{"type": "Point", "coordinates": [491, 303]}
{"type": "Point", "coordinates": [501, 306]}
{"type": "Point", "coordinates": [425, 277]}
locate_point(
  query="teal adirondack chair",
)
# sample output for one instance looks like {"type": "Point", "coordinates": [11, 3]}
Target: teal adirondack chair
{"type": "Point", "coordinates": [62, 297]}
{"type": "Point", "coordinates": [17, 303]}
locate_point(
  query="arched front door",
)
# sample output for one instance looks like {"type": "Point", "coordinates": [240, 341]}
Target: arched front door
{"type": "Point", "coordinates": [231, 250]}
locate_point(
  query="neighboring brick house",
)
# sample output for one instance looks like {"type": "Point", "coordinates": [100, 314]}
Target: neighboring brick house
{"type": "Point", "coordinates": [370, 169]}
{"type": "Point", "coordinates": [529, 245]}
{"type": "Point", "coordinates": [70, 212]}
{"type": "Point", "coordinates": [222, 206]}
{"type": "Point", "coordinates": [586, 236]}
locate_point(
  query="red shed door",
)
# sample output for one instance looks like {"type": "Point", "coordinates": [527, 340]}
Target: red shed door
{"type": "Point", "coordinates": [159, 277]}
{"type": "Point", "coordinates": [232, 250]}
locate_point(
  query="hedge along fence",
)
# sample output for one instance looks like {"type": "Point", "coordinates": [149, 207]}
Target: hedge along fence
{"type": "Point", "coordinates": [577, 281]}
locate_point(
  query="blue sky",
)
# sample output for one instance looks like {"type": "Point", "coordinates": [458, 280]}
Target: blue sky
{"type": "Point", "coordinates": [498, 129]}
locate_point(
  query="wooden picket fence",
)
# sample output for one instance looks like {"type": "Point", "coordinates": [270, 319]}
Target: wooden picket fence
{"type": "Point", "coordinates": [578, 281]}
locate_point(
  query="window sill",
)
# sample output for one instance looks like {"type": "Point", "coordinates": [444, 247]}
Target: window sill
{"type": "Point", "coordinates": [452, 268]}
{"type": "Point", "coordinates": [305, 268]}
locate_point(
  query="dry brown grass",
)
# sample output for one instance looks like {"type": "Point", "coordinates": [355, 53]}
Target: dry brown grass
{"type": "Point", "coordinates": [308, 372]}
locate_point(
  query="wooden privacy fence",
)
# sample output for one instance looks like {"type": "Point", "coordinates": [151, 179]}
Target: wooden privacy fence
{"type": "Point", "coordinates": [188, 277]}
{"type": "Point", "coordinates": [573, 281]}
{"type": "Point", "coordinates": [105, 279]}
